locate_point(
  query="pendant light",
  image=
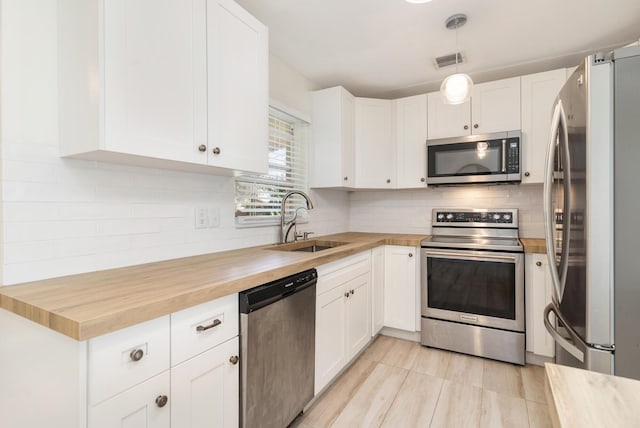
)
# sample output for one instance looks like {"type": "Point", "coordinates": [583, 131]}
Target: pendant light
{"type": "Point", "coordinates": [456, 88]}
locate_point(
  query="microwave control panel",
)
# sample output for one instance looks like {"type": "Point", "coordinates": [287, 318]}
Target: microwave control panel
{"type": "Point", "coordinates": [512, 155]}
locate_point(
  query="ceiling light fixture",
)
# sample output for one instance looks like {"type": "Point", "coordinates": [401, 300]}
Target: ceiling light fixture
{"type": "Point", "coordinates": [456, 88]}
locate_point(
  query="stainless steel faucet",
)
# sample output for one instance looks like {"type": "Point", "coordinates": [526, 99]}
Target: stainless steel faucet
{"type": "Point", "coordinates": [283, 236]}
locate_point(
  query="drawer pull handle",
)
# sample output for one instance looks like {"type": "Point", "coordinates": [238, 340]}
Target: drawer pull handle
{"type": "Point", "coordinates": [136, 354]}
{"type": "Point", "coordinates": [234, 359]}
{"type": "Point", "coordinates": [162, 400]}
{"type": "Point", "coordinates": [216, 322]}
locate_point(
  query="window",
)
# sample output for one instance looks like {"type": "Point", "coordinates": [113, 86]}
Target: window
{"type": "Point", "coordinates": [258, 196]}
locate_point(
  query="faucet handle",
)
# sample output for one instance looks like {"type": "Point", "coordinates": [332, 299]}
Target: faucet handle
{"type": "Point", "coordinates": [305, 235]}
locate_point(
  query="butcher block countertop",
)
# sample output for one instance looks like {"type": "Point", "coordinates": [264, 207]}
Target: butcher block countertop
{"type": "Point", "coordinates": [92, 304]}
{"type": "Point", "coordinates": [534, 245]}
{"type": "Point", "coordinates": [580, 398]}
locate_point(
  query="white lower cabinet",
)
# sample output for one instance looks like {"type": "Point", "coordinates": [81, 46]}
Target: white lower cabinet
{"type": "Point", "coordinates": [343, 314]}
{"type": "Point", "coordinates": [205, 389]}
{"type": "Point", "coordinates": [144, 406]}
{"type": "Point", "coordinates": [538, 292]}
{"type": "Point", "coordinates": [401, 287]}
{"type": "Point", "coordinates": [377, 290]}
{"type": "Point", "coordinates": [135, 377]}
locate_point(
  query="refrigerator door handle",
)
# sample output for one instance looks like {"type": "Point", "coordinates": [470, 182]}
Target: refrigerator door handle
{"type": "Point", "coordinates": [558, 276]}
{"type": "Point", "coordinates": [568, 346]}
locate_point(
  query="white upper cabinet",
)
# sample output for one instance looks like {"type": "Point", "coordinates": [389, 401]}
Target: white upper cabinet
{"type": "Point", "coordinates": [494, 107]}
{"type": "Point", "coordinates": [237, 64]}
{"type": "Point", "coordinates": [539, 92]}
{"type": "Point", "coordinates": [375, 148]}
{"type": "Point", "coordinates": [333, 146]}
{"type": "Point", "coordinates": [446, 120]}
{"type": "Point", "coordinates": [411, 137]}
{"type": "Point", "coordinates": [154, 80]}
{"type": "Point", "coordinates": [174, 84]}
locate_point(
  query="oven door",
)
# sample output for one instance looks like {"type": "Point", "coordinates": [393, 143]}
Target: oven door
{"type": "Point", "coordinates": [484, 288]}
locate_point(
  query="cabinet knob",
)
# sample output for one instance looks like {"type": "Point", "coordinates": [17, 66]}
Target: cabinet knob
{"type": "Point", "coordinates": [466, 127]}
{"type": "Point", "coordinates": [162, 400]}
{"type": "Point", "coordinates": [538, 263]}
{"type": "Point", "coordinates": [234, 359]}
{"type": "Point", "coordinates": [410, 254]}
{"type": "Point", "coordinates": [423, 180]}
{"type": "Point", "coordinates": [202, 148]}
{"type": "Point", "coordinates": [346, 294]}
{"type": "Point", "coordinates": [136, 354]}
{"type": "Point", "coordinates": [216, 150]}
{"type": "Point", "coordinates": [352, 291]}
{"type": "Point", "coordinates": [526, 174]}
{"type": "Point", "coordinates": [388, 180]}
{"type": "Point", "coordinates": [475, 126]}
{"type": "Point", "coordinates": [346, 178]}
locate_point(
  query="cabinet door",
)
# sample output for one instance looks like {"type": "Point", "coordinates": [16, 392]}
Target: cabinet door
{"type": "Point", "coordinates": [358, 314]}
{"type": "Point", "coordinates": [495, 106]}
{"type": "Point", "coordinates": [155, 78]}
{"type": "Point", "coordinates": [539, 92]}
{"type": "Point", "coordinates": [331, 321]}
{"type": "Point", "coordinates": [375, 150]}
{"type": "Point", "coordinates": [333, 142]}
{"type": "Point", "coordinates": [237, 68]}
{"type": "Point", "coordinates": [205, 389]}
{"type": "Point", "coordinates": [400, 282]}
{"type": "Point", "coordinates": [411, 138]}
{"type": "Point", "coordinates": [538, 292]}
{"type": "Point", "coordinates": [135, 407]}
{"type": "Point", "coordinates": [446, 120]}
{"type": "Point", "coordinates": [377, 290]}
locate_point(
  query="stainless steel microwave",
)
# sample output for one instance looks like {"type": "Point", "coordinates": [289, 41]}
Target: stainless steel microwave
{"type": "Point", "coordinates": [489, 158]}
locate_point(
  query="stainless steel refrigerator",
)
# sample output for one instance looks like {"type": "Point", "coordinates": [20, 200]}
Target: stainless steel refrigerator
{"type": "Point", "coordinates": [592, 216]}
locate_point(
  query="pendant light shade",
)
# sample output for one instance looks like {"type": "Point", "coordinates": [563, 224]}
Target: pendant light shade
{"type": "Point", "coordinates": [456, 88]}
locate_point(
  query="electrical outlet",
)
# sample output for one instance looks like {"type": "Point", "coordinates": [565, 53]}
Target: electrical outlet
{"type": "Point", "coordinates": [201, 218]}
{"type": "Point", "coordinates": [214, 217]}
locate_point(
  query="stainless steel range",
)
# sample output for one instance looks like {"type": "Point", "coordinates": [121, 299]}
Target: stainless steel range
{"type": "Point", "coordinates": [473, 284]}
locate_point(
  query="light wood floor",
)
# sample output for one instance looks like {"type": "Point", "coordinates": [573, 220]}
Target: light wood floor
{"type": "Point", "coordinates": [397, 383]}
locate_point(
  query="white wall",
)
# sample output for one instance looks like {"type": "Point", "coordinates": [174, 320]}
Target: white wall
{"type": "Point", "coordinates": [409, 211]}
{"type": "Point", "coordinates": [66, 216]}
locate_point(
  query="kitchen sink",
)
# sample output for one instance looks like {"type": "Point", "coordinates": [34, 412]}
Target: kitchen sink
{"type": "Point", "coordinates": [311, 246]}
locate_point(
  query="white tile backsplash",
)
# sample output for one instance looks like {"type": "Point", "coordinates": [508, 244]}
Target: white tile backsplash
{"type": "Point", "coordinates": [409, 211]}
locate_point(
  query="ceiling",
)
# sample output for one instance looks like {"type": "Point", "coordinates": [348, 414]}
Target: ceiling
{"type": "Point", "coordinates": [386, 48]}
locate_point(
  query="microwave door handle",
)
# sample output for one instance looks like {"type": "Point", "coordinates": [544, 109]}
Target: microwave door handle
{"type": "Point", "coordinates": [568, 346]}
{"type": "Point", "coordinates": [504, 156]}
{"type": "Point", "coordinates": [549, 218]}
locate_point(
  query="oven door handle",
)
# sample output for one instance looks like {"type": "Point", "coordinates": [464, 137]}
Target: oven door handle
{"type": "Point", "coordinates": [463, 256]}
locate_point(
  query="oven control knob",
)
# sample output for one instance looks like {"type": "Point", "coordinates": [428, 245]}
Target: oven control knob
{"type": "Point", "coordinates": [496, 216]}
{"type": "Point", "coordinates": [440, 216]}
{"type": "Point", "coordinates": [449, 216]}
{"type": "Point", "coordinates": [507, 217]}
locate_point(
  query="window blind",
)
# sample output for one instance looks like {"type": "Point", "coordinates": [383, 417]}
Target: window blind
{"type": "Point", "coordinates": [258, 197]}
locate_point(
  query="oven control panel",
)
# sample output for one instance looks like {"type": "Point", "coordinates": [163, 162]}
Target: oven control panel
{"type": "Point", "coordinates": [497, 218]}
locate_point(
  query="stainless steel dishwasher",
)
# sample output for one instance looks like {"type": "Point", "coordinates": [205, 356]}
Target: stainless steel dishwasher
{"type": "Point", "coordinates": [277, 350]}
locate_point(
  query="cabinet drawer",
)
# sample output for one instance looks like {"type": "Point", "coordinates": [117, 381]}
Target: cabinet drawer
{"type": "Point", "coordinates": [335, 274]}
{"type": "Point", "coordinates": [137, 407]}
{"type": "Point", "coordinates": [202, 327]}
{"type": "Point", "coordinates": [124, 358]}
